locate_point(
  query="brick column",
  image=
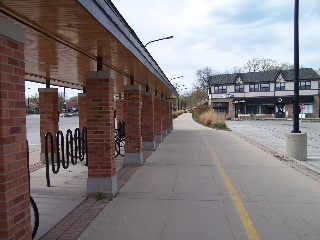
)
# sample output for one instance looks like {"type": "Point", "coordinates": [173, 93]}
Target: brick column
{"type": "Point", "coordinates": [170, 115]}
{"type": "Point", "coordinates": [15, 219]}
{"type": "Point", "coordinates": [316, 106]}
{"type": "Point", "coordinates": [102, 175]}
{"type": "Point", "coordinates": [163, 118]}
{"type": "Point", "coordinates": [82, 107]}
{"type": "Point", "coordinates": [119, 108]}
{"type": "Point", "coordinates": [49, 115]}
{"type": "Point", "coordinates": [157, 119]}
{"type": "Point", "coordinates": [289, 109]}
{"type": "Point", "coordinates": [132, 117]}
{"type": "Point", "coordinates": [148, 121]}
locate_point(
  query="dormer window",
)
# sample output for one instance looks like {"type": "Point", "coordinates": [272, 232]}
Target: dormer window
{"type": "Point", "coordinates": [280, 78]}
{"type": "Point", "coordinates": [238, 80]}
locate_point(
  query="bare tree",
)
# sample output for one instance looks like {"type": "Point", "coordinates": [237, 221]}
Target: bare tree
{"type": "Point", "coordinates": [203, 77]}
{"type": "Point", "coordinates": [266, 64]}
{"type": "Point", "coordinates": [234, 70]}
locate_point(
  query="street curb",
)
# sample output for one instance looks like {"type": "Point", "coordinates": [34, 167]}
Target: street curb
{"type": "Point", "coordinates": [300, 166]}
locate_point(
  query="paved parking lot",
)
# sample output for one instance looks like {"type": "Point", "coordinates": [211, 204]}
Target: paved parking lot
{"type": "Point", "coordinates": [271, 134]}
{"type": "Point", "coordinates": [33, 129]}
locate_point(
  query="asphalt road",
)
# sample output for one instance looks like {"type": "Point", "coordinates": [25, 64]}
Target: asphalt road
{"type": "Point", "coordinates": [33, 129]}
{"type": "Point", "coordinates": [271, 134]}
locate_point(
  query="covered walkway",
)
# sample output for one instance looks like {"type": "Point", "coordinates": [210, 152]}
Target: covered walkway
{"type": "Point", "coordinates": [86, 45]}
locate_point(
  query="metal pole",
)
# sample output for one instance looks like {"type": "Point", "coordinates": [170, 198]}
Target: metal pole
{"type": "Point", "coordinates": [296, 70]}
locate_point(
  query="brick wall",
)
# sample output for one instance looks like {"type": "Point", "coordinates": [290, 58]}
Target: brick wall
{"type": "Point", "coordinates": [100, 124]}
{"type": "Point", "coordinates": [14, 185]}
{"type": "Point", "coordinates": [157, 116]}
{"type": "Point", "coordinates": [49, 114]}
{"type": "Point", "coordinates": [289, 109]}
{"type": "Point", "coordinates": [147, 117]}
{"type": "Point", "coordinates": [82, 106]}
{"type": "Point", "coordinates": [164, 115]}
{"type": "Point", "coordinates": [119, 108]}
{"type": "Point", "coordinates": [316, 108]}
{"type": "Point", "coordinates": [170, 114]}
{"type": "Point", "coordinates": [132, 117]}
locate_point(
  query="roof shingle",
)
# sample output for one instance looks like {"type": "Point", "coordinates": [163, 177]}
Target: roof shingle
{"type": "Point", "coordinates": [267, 76]}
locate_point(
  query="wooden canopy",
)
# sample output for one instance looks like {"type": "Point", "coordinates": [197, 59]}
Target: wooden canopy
{"type": "Point", "coordinates": [67, 38]}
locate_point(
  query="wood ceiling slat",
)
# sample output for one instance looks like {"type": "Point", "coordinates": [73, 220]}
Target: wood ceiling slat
{"type": "Point", "coordinates": [74, 26]}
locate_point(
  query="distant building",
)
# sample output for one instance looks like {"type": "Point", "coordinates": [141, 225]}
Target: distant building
{"type": "Point", "coordinates": [264, 94]}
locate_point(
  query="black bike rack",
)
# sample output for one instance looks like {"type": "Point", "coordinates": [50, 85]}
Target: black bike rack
{"type": "Point", "coordinates": [76, 149]}
{"type": "Point", "coordinates": [120, 138]}
{"type": "Point", "coordinates": [33, 203]}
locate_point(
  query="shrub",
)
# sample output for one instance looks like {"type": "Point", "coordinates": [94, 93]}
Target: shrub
{"type": "Point", "coordinates": [198, 111]}
{"type": "Point", "coordinates": [213, 119]}
{"type": "Point", "coordinates": [176, 114]}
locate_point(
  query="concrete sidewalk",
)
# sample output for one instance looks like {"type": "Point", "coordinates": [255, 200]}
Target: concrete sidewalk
{"type": "Point", "coordinates": [177, 194]}
{"type": "Point", "coordinates": [68, 190]}
{"type": "Point", "coordinates": [182, 193]}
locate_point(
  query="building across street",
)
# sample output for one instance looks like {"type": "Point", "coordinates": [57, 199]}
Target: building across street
{"type": "Point", "coordinates": [266, 94]}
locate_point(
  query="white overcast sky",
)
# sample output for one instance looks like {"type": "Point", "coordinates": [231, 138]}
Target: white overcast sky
{"type": "Point", "coordinates": [222, 34]}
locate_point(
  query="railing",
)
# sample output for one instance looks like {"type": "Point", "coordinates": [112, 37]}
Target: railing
{"type": "Point", "coordinates": [34, 206]}
{"type": "Point", "coordinates": [120, 138]}
{"type": "Point", "coordinates": [76, 149]}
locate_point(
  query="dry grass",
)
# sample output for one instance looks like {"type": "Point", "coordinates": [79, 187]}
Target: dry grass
{"type": "Point", "coordinates": [213, 119]}
{"type": "Point", "coordinates": [176, 114]}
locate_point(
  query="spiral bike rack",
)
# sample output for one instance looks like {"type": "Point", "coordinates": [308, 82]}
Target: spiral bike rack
{"type": "Point", "coordinates": [33, 203]}
{"type": "Point", "coordinates": [119, 138]}
{"type": "Point", "coordinates": [73, 149]}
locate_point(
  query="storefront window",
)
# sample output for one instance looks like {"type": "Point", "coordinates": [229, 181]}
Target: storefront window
{"type": "Point", "coordinates": [252, 109]}
{"type": "Point", "coordinates": [308, 109]}
{"type": "Point", "coordinates": [267, 109]}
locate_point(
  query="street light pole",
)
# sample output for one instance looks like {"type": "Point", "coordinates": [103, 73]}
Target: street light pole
{"type": "Point", "coordinates": [296, 142]}
{"type": "Point", "coordinates": [158, 40]}
{"type": "Point", "coordinates": [296, 70]}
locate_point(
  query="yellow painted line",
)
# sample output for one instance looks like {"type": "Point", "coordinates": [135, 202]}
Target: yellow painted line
{"type": "Point", "coordinates": [245, 218]}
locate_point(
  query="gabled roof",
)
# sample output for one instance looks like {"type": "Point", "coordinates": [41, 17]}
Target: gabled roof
{"type": "Point", "coordinates": [304, 73]}
{"type": "Point", "coordinates": [267, 76]}
{"type": "Point", "coordinates": [223, 79]}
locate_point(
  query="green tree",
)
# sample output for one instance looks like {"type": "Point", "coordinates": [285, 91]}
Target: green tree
{"type": "Point", "coordinates": [32, 104]}
{"type": "Point", "coordinates": [199, 97]}
{"type": "Point", "coordinates": [72, 103]}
